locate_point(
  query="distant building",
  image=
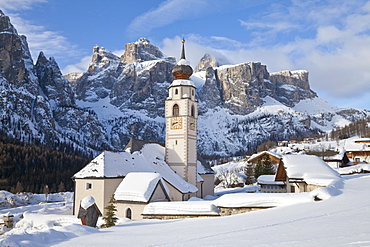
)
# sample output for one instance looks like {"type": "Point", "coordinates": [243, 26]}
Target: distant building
{"type": "Point", "coordinates": [304, 173]}
{"type": "Point", "coordinates": [339, 160]}
{"type": "Point", "coordinates": [268, 184]}
{"type": "Point", "coordinates": [358, 150]}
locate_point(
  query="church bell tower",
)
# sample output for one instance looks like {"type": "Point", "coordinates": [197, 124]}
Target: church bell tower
{"type": "Point", "coordinates": [181, 112]}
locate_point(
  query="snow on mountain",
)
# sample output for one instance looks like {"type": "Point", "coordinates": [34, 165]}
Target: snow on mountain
{"type": "Point", "coordinates": [240, 105]}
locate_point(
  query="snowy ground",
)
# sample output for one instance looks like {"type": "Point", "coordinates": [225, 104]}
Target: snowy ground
{"type": "Point", "coordinates": [341, 220]}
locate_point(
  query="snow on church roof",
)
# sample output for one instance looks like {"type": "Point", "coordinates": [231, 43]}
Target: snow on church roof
{"type": "Point", "coordinates": [138, 186]}
{"type": "Point", "coordinates": [151, 158]}
{"type": "Point", "coordinates": [310, 168]}
{"type": "Point", "coordinates": [182, 82]}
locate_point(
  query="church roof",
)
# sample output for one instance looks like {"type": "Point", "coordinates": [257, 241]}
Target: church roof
{"type": "Point", "coordinates": [182, 69]}
{"type": "Point", "coordinates": [139, 186]}
{"type": "Point", "coordinates": [137, 144]}
{"type": "Point", "coordinates": [182, 82]}
{"type": "Point", "coordinates": [203, 167]}
{"type": "Point", "coordinates": [151, 158]}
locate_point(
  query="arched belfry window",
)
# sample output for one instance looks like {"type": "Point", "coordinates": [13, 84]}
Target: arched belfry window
{"type": "Point", "coordinates": [176, 91]}
{"type": "Point", "coordinates": [129, 213]}
{"type": "Point", "coordinates": [192, 113]}
{"type": "Point", "coordinates": [176, 110]}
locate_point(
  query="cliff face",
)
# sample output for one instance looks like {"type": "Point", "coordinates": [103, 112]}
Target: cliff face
{"type": "Point", "coordinates": [240, 105]}
{"type": "Point", "coordinates": [241, 88]}
{"type": "Point", "coordinates": [37, 102]}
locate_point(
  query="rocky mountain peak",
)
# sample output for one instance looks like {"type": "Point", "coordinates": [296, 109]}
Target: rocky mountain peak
{"type": "Point", "coordinates": [15, 59]}
{"type": "Point", "coordinates": [207, 61]}
{"type": "Point", "coordinates": [5, 25]}
{"type": "Point", "coordinates": [52, 82]}
{"type": "Point", "coordinates": [102, 58]}
{"type": "Point", "coordinates": [140, 51]}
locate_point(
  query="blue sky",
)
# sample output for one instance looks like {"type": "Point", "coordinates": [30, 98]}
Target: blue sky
{"type": "Point", "coordinates": [328, 38]}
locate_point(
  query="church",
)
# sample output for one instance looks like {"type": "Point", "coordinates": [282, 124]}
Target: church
{"type": "Point", "coordinates": [147, 172]}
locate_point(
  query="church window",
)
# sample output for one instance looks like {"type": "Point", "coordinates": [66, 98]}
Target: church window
{"type": "Point", "coordinates": [192, 111]}
{"type": "Point", "coordinates": [129, 213]}
{"type": "Point", "coordinates": [175, 142]}
{"type": "Point", "coordinates": [175, 110]}
{"type": "Point", "coordinates": [88, 186]}
{"type": "Point", "coordinates": [176, 91]}
{"type": "Point", "coordinates": [192, 92]}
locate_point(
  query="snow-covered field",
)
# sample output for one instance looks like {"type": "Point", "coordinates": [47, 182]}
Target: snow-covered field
{"type": "Point", "coordinates": [341, 220]}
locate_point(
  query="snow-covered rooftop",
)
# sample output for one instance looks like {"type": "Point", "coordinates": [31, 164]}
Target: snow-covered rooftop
{"type": "Point", "coordinates": [87, 202]}
{"type": "Point", "coordinates": [151, 158]}
{"type": "Point", "coordinates": [138, 186]}
{"type": "Point", "coordinates": [310, 168]}
{"type": "Point", "coordinates": [262, 153]}
{"type": "Point", "coordinates": [182, 82]}
{"type": "Point", "coordinates": [359, 168]}
{"type": "Point", "coordinates": [268, 179]}
{"type": "Point", "coordinates": [183, 62]}
{"type": "Point", "coordinates": [357, 145]}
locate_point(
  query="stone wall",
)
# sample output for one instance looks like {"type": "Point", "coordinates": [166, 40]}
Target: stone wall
{"type": "Point", "coordinates": [223, 212]}
{"type": "Point", "coordinates": [232, 211]}
{"type": "Point", "coordinates": [172, 217]}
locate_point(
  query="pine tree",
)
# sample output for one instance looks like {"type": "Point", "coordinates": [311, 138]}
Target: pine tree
{"type": "Point", "coordinates": [110, 216]}
{"type": "Point", "coordinates": [250, 174]}
{"type": "Point", "coordinates": [264, 168]}
{"type": "Point", "coordinates": [61, 187]}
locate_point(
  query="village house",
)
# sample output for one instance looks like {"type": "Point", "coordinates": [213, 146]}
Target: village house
{"type": "Point", "coordinates": [358, 150]}
{"type": "Point", "coordinates": [268, 184]}
{"type": "Point", "coordinates": [148, 172]}
{"type": "Point", "coordinates": [304, 173]}
{"type": "Point", "coordinates": [339, 160]}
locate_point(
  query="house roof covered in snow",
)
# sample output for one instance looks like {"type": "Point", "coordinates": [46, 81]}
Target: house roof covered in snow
{"type": "Point", "coordinates": [151, 158]}
{"type": "Point", "coordinates": [254, 156]}
{"type": "Point", "coordinates": [268, 179]}
{"type": "Point", "coordinates": [203, 167]}
{"type": "Point", "coordinates": [357, 145]}
{"type": "Point", "coordinates": [139, 186]}
{"type": "Point", "coordinates": [308, 168]}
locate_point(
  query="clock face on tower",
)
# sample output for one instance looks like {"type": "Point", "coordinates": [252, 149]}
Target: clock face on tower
{"type": "Point", "coordinates": [176, 123]}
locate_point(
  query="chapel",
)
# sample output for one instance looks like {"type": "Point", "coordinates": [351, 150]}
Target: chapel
{"type": "Point", "coordinates": [147, 172]}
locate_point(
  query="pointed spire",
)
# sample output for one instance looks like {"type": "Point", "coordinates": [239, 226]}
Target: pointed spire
{"type": "Point", "coordinates": [182, 69]}
{"type": "Point", "coordinates": [183, 49]}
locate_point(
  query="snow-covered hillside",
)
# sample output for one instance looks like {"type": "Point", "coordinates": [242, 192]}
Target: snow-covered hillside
{"type": "Point", "coordinates": [339, 220]}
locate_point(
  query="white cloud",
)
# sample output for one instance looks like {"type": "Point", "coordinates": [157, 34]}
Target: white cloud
{"type": "Point", "coordinates": [171, 11]}
{"type": "Point", "coordinates": [52, 43]}
{"type": "Point", "coordinates": [168, 12]}
{"type": "Point", "coordinates": [18, 4]}
{"type": "Point", "coordinates": [80, 66]}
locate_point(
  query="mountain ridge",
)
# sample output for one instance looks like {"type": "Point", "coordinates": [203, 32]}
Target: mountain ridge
{"type": "Point", "coordinates": [117, 98]}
